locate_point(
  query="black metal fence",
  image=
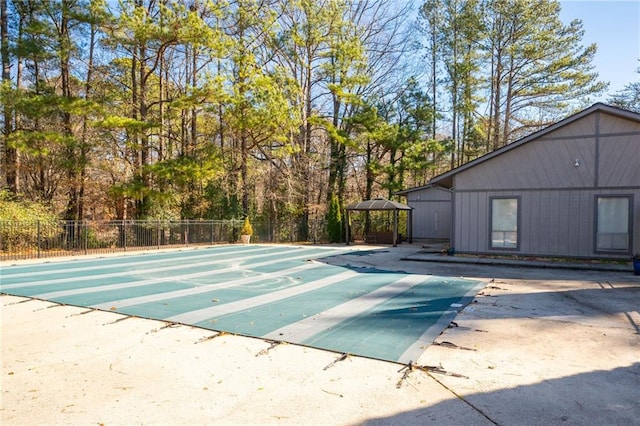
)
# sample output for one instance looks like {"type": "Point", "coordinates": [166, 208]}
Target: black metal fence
{"type": "Point", "coordinates": [29, 240]}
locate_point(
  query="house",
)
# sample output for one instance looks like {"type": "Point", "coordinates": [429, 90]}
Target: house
{"type": "Point", "coordinates": [431, 211]}
{"type": "Point", "coordinates": [569, 190]}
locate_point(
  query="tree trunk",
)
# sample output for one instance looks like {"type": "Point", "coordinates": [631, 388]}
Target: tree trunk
{"type": "Point", "coordinates": [73, 162]}
{"type": "Point", "coordinates": [434, 83]}
{"type": "Point", "coordinates": [495, 120]}
{"type": "Point", "coordinates": [84, 148]}
{"type": "Point", "coordinates": [143, 202]}
{"type": "Point", "coordinates": [10, 157]}
{"type": "Point", "coordinates": [507, 108]}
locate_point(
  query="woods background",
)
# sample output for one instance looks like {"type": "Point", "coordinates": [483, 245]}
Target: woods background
{"type": "Point", "coordinates": [276, 109]}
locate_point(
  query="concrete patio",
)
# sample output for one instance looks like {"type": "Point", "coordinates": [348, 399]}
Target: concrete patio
{"type": "Point", "coordinates": [536, 346]}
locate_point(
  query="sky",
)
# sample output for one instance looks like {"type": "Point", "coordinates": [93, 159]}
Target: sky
{"type": "Point", "coordinates": [614, 26]}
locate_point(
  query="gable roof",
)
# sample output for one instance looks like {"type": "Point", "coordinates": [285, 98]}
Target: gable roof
{"type": "Point", "coordinates": [420, 188]}
{"type": "Point", "coordinates": [378, 204]}
{"type": "Point", "coordinates": [446, 179]}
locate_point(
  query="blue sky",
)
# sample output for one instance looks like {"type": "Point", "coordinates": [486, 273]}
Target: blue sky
{"type": "Point", "coordinates": [615, 27]}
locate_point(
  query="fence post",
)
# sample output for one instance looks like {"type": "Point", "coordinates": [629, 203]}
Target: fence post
{"type": "Point", "coordinates": [38, 236]}
{"type": "Point", "coordinates": [186, 234]}
{"type": "Point", "coordinates": [86, 236]}
{"type": "Point", "coordinates": [158, 233]}
{"type": "Point", "coordinates": [124, 234]}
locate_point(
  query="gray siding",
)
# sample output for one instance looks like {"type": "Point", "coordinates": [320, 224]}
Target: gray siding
{"type": "Point", "coordinates": [553, 222]}
{"type": "Point", "coordinates": [557, 199]}
{"type": "Point", "coordinates": [472, 211]}
{"type": "Point", "coordinates": [619, 164]}
{"type": "Point", "coordinates": [432, 212]}
{"type": "Point", "coordinates": [547, 163]}
{"type": "Point", "coordinates": [606, 147]}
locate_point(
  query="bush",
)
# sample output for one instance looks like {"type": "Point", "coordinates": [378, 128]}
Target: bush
{"type": "Point", "coordinates": [247, 229]}
{"type": "Point", "coordinates": [19, 222]}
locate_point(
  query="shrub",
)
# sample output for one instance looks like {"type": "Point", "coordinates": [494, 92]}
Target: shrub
{"type": "Point", "coordinates": [20, 221]}
{"type": "Point", "coordinates": [247, 229]}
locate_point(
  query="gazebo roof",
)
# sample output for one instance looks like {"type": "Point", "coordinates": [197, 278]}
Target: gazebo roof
{"type": "Point", "coordinates": [378, 204]}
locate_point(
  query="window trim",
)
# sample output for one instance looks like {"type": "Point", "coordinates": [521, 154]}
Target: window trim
{"type": "Point", "coordinates": [518, 222]}
{"type": "Point", "coordinates": [628, 251]}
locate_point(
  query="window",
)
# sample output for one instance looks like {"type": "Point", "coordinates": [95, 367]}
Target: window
{"type": "Point", "coordinates": [612, 222]}
{"type": "Point", "coordinates": [504, 223]}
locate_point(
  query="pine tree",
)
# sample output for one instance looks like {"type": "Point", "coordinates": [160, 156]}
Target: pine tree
{"type": "Point", "coordinates": [629, 97]}
{"type": "Point", "coordinates": [334, 221]}
{"type": "Point", "coordinates": [539, 67]}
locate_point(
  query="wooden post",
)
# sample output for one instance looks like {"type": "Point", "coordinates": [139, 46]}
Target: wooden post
{"type": "Point", "coordinates": [395, 227]}
{"type": "Point", "coordinates": [346, 225]}
{"type": "Point", "coordinates": [410, 225]}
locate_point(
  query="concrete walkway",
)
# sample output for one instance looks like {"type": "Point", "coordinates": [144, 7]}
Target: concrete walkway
{"type": "Point", "coordinates": [536, 346]}
{"type": "Point", "coordinates": [431, 256]}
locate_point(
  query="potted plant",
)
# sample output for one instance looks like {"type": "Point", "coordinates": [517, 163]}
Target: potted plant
{"type": "Point", "coordinates": [246, 231]}
{"type": "Point", "coordinates": [636, 263]}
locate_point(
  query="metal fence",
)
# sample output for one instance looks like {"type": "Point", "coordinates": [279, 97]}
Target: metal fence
{"type": "Point", "coordinates": [39, 239]}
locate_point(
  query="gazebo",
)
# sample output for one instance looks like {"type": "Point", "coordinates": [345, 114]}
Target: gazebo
{"type": "Point", "coordinates": [382, 204]}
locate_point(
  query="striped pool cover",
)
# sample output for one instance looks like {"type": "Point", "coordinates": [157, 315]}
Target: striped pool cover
{"type": "Point", "coordinates": [281, 293]}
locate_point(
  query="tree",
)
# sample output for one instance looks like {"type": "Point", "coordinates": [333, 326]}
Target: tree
{"type": "Point", "coordinates": [344, 72]}
{"type": "Point", "coordinates": [143, 34]}
{"type": "Point", "coordinates": [37, 139]}
{"type": "Point", "coordinates": [259, 117]}
{"type": "Point", "coordinates": [300, 47]}
{"type": "Point", "coordinates": [538, 67]}
{"type": "Point", "coordinates": [163, 109]}
{"type": "Point", "coordinates": [629, 97]}
{"type": "Point", "coordinates": [431, 25]}
{"type": "Point", "coordinates": [8, 154]}
{"type": "Point", "coordinates": [534, 68]}
{"type": "Point", "coordinates": [461, 60]}
{"type": "Point", "coordinates": [334, 221]}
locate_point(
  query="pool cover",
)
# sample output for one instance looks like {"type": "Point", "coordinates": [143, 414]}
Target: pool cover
{"type": "Point", "coordinates": [280, 293]}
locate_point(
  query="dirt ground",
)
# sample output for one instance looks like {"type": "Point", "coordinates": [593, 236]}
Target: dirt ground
{"type": "Point", "coordinates": [536, 346]}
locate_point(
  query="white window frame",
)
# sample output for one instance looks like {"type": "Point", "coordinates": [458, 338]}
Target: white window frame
{"type": "Point", "coordinates": [616, 237]}
{"type": "Point", "coordinates": [493, 232]}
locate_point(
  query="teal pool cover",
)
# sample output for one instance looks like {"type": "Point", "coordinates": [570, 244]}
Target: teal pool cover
{"type": "Point", "coordinates": [280, 293]}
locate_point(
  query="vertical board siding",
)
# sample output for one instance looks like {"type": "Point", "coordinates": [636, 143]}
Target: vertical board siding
{"type": "Point", "coordinates": [482, 228]}
{"type": "Point", "coordinates": [429, 203]}
{"type": "Point", "coordinates": [472, 222]}
{"type": "Point", "coordinates": [425, 225]}
{"type": "Point", "coordinates": [575, 227]}
{"type": "Point", "coordinates": [460, 225]}
{"type": "Point", "coordinates": [553, 222]}
{"type": "Point", "coordinates": [531, 222]}
{"type": "Point", "coordinates": [587, 224]}
{"type": "Point", "coordinates": [557, 197]}
{"type": "Point", "coordinates": [462, 231]}
{"type": "Point", "coordinates": [457, 220]}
